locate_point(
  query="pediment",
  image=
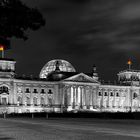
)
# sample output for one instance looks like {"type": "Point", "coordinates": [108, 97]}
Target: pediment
{"type": "Point", "coordinates": [4, 93]}
{"type": "Point", "coordinates": [81, 78]}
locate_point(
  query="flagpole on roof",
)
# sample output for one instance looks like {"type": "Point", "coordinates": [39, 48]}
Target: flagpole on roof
{"type": "Point", "coordinates": [2, 53]}
{"type": "Point", "coordinates": [129, 64]}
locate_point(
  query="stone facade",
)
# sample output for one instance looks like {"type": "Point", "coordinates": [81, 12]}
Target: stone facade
{"type": "Point", "coordinates": [76, 92]}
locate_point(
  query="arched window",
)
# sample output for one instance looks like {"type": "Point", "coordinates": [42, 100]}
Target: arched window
{"type": "Point", "coordinates": [28, 101]}
{"type": "Point", "coordinates": [19, 100]}
{"type": "Point", "coordinates": [99, 93]}
{"type": "Point", "coordinates": [117, 94]}
{"type": "Point", "coordinates": [50, 100]}
{"type": "Point", "coordinates": [4, 89]}
{"type": "Point", "coordinates": [3, 101]}
{"type": "Point", "coordinates": [35, 101]}
{"type": "Point", "coordinates": [111, 93]}
{"type": "Point", "coordinates": [42, 90]}
{"type": "Point", "coordinates": [135, 95]}
{"type": "Point", "coordinates": [50, 92]}
{"type": "Point", "coordinates": [42, 102]}
{"type": "Point", "coordinates": [105, 94]}
{"type": "Point", "coordinates": [27, 90]}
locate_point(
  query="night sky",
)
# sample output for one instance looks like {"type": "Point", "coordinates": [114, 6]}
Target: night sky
{"type": "Point", "coordinates": [84, 32]}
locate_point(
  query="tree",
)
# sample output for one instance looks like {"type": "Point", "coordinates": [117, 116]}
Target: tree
{"type": "Point", "coordinates": [16, 19]}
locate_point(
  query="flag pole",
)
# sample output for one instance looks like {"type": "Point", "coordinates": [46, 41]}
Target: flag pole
{"type": "Point", "coordinates": [129, 66]}
{"type": "Point", "coordinates": [3, 53]}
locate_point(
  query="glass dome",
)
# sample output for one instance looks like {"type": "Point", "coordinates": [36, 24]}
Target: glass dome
{"type": "Point", "coordinates": [64, 66]}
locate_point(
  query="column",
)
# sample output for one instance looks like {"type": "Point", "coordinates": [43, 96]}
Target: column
{"type": "Point", "coordinates": [114, 95]}
{"type": "Point", "coordinates": [82, 89]}
{"type": "Point", "coordinates": [102, 100]}
{"type": "Point", "coordinates": [95, 97]}
{"type": "Point", "coordinates": [108, 100]}
{"type": "Point", "coordinates": [23, 96]}
{"type": "Point", "coordinates": [31, 95]}
{"type": "Point", "coordinates": [76, 95]}
{"type": "Point", "coordinates": [79, 96]}
{"type": "Point", "coordinates": [91, 98]}
{"type": "Point", "coordinates": [71, 91]}
{"type": "Point", "coordinates": [74, 98]}
{"type": "Point", "coordinates": [62, 96]}
{"type": "Point", "coordinates": [65, 97]}
{"type": "Point", "coordinates": [121, 100]}
{"type": "Point", "coordinates": [84, 98]}
{"type": "Point", "coordinates": [70, 98]}
{"type": "Point", "coordinates": [69, 95]}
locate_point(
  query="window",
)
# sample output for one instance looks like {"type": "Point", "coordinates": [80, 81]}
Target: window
{"type": "Point", "coordinates": [27, 101]}
{"type": "Point", "coordinates": [27, 90]}
{"type": "Point", "coordinates": [4, 101]}
{"type": "Point", "coordinates": [4, 89]}
{"type": "Point", "coordinates": [105, 94]}
{"type": "Point", "coordinates": [134, 95]}
{"type": "Point", "coordinates": [35, 101]}
{"type": "Point", "coordinates": [50, 91]}
{"type": "Point", "coordinates": [50, 101]}
{"type": "Point", "coordinates": [117, 94]}
{"type": "Point", "coordinates": [27, 111]}
{"type": "Point", "coordinates": [19, 90]}
{"type": "Point", "coordinates": [19, 100]}
{"type": "Point", "coordinates": [42, 91]}
{"type": "Point", "coordinates": [35, 90]}
{"type": "Point", "coordinates": [111, 93]}
{"type": "Point", "coordinates": [99, 93]}
{"type": "Point", "coordinates": [42, 101]}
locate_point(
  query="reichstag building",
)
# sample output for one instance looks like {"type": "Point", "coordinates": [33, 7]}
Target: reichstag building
{"type": "Point", "coordinates": [59, 88]}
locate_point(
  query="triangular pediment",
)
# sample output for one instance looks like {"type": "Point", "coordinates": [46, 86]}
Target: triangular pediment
{"type": "Point", "coordinates": [81, 77]}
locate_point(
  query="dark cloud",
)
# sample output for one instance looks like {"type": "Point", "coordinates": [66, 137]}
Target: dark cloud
{"type": "Point", "coordinates": [84, 32]}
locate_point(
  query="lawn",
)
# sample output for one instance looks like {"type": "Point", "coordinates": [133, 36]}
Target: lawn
{"type": "Point", "coordinates": [68, 129]}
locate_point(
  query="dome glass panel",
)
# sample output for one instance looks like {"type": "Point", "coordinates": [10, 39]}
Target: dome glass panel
{"type": "Point", "coordinates": [64, 66]}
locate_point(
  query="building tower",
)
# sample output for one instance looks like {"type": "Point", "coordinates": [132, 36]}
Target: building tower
{"type": "Point", "coordinates": [94, 73]}
{"type": "Point", "coordinates": [129, 76]}
{"type": "Point", "coordinates": [7, 68]}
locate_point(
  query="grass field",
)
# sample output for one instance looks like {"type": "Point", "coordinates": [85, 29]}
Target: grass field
{"type": "Point", "coordinates": [68, 129]}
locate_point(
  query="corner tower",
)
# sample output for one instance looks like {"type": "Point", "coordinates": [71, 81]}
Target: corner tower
{"type": "Point", "coordinates": [7, 68]}
{"type": "Point", "coordinates": [129, 76]}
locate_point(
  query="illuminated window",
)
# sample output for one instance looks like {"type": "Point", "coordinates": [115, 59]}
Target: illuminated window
{"type": "Point", "coordinates": [19, 90]}
{"type": "Point", "coordinates": [35, 101]}
{"type": "Point", "coordinates": [28, 101]}
{"type": "Point", "coordinates": [19, 100]}
{"type": "Point", "coordinates": [50, 101]}
{"type": "Point", "coordinates": [4, 101]}
{"type": "Point", "coordinates": [42, 101]}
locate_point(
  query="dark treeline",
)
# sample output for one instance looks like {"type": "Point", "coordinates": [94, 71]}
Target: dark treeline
{"type": "Point", "coordinates": [104, 115]}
